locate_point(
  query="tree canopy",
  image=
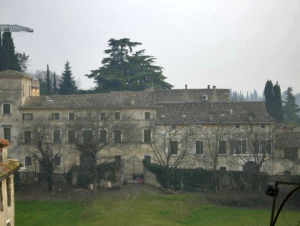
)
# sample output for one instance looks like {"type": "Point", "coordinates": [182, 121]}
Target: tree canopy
{"type": "Point", "coordinates": [68, 84]}
{"type": "Point", "coordinates": [8, 57]}
{"type": "Point", "coordinates": [290, 109]}
{"type": "Point", "coordinates": [124, 69]}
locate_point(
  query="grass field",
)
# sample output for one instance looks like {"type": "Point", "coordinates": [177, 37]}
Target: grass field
{"type": "Point", "coordinates": [144, 209]}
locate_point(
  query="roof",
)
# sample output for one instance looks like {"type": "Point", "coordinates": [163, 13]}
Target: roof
{"type": "Point", "coordinates": [13, 74]}
{"type": "Point", "coordinates": [132, 99]}
{"type": "Point", "coordinates": [213, 112]}
{"type": "Point", "coordinates": [288, 139]}
{"type": "Point", "coordinates": [8, 167]}
{"type": "Point", "coordinates": [189, 95]}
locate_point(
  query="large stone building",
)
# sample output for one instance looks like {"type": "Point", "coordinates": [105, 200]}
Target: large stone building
{"type": "Point", "coordinates": [7, 202]}
{"type": "Point", "coordinates": [189, 127]}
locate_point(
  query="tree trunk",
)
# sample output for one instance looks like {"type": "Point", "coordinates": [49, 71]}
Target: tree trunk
{"type": "Point", "coordinates": [50, 181]}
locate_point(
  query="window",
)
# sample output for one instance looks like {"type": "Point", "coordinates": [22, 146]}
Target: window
{"type": "Point", "coordinates": [147, 158]}
{"type": "Point", "coordinates": [71, 116]}
{"type": "Point", "coordinates": [27, 116]}
{"type": "Point", "coordinates": [199, 147]}
{"type": "Point", "coordinates": [204, 97]}
{"type": "Point", "coordinates": [222, 168]}
{"type": "Point", "coordinates": [291, 153]}
{"type": "Point", "coordinates": [6, 109]}
{"type": "Point", "coordinates": [262, 147]}
{"type": "Point", "coordinates": [71, 136]}
{"type": "Point", "coordinates": [55, 116]}
{"type": "Point", "coordinates": [57, 161]}
{"type": "Point", "coordinates": [103, 115]}
{"type": "Point", "coordinates": [222, 147]}
{"type": "Point", "coordinates": [87, 136]}
{"type": "Point", "coordinates": [28, 161]}
{"type": "Point", "coordinates": [56, 136]}
{"type": "Point", "coordinates": [27, 137]}
{"type": "Point", "coordinates": [7, 133]}
{"type": "Point", "coordinates": [238, 147]}
{"type": "Point", "coordinates": [118, 159]}
{"type": "Point", "coordinates": [147, 115]}
{"type": "Point", "coordinates": [237, 126]}
{"type": "Point", "coordinates": [147, 136]}
{"type": "Point", "coordinates": [103, 135]}
{"type": "Point", "coordinates": [117, 136]}
{"type": "Point", "coordinates": [173, 147]}
{"type": "Point", "coordinates": [117, 115]}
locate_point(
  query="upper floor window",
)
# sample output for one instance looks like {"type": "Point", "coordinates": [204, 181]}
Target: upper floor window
{"type": "Point", "coordinates": [71, 136]}
{"type": "Point", "coordinates": [27, 137]}
{"type": "Point", "coordinates": [199, 147]}
{"type": "Point", "coordinates": [117, 115]}
{"type": "Point", "coordinates": [7, 133]}
{"type": "Point", "coordinates": [262, 147]}
{"type": "Point", "coordinates": [71, 116]}
{"type": "Point", "coordinates": [56, 136]}
{"type": "Point", "coordinates": [147, 136]}
{"type": "Point", "coordinates": [28, 161]}
{"type": "Point", "coordinates": [55, 116]}
{"type": "Point", "coordinates": [147, 115]}
{"type": "Point", "coordinates": [238, 147]}
{"type": "Point", "coordinates": [6, 109]}
{"type": "Point", "coordinates": [173, 145]}
{"type": "Point", "coordinates": [27, 116]}
{"type": "Point", "coordinates": [117, 136]}
{"type": "Point", "coordinates": [87, 136]}
{"type": "Point", "coordinates": [103, 136]}
{"type": "Point", "coordinates": [103, 115]}
{"type": "Point", "coordinates": [291, 153]}
{"type": "Point", "coordinates": [57, 161]}
{"type": "Point", "coordinates": [222, 147]}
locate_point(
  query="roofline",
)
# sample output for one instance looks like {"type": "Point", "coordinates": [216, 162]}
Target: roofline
{"type": "Point", "coordinates": [203, 123]}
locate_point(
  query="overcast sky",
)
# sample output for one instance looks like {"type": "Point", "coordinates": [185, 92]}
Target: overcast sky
{"type": "Point", "coordinates": [236, 44]}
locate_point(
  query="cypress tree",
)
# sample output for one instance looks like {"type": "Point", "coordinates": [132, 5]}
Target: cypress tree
{"type": "Point", "coordinates": [67, 85]}
{"type": "Point", "coordinates": [269, 97]}
{"type": "Point", "coordinates": [8, 57]}
{"type": "Point", "coordinates": [48, 81]}
{"type": "Point", "coordinates": [290, 109]}
{"type": "Point", "coordinates": [54, 84]}
{"type": "Point", "coordinates": [277, 111]}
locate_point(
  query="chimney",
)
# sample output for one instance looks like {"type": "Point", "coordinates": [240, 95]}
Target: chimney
{"type": "Point", "coordinates": [185, 86]}
{"type": "Point", "coordinates": [208, 87]}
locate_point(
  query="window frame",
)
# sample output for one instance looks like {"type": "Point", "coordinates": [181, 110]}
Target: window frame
{"type": "Point", "coordinates": [100, 137]}
{"type": "Point", "coordinates": [119, 140]}
{"type": "Point", "coordinates": [26, 118]}
{"type": "Point", "coordinates": [219, 147]}
{"type": "Point", "coordinates": [53, 133]}
{"type": "Point", "coordinates": [83, 138]}
{"type": "Point", "coordinates": [5, 135]}
{"type": "Point", "coordinates": [148, 140]}
{"type": "Point", "coordinates": [3, 108]}
{"type": "Point", "coordinates": [25, 161]}
{"type": "Point", "coordinates": [147, 115]}
{"type": "Point", "coordinates": [69, 137]}
{"type": "Point", "coordinates": [25, 136]}
{"type": "Point", "coordinates": [117, 113]}
{"type": "Point", "coordinates": [201, 150]}
{"type": "Point", "coordinates": [70, 113]}
{"type": "Point", "coordinates": [54, 118]}
{"type": "Point", "coordinates": [55, 160]}
{"type": "Point", "coordinates": [171, 146]}
{"type": "Point", "coordinates": [102, 115]}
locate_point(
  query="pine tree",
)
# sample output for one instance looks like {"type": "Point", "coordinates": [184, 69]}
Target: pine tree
{"type": "Point", "coordinates": [290, 109]}
{"type": "Point", "coordinates": [277, 111]}
{"type": "Point", "coordinates": [48, 81]}
{"type": "Point", "coordinates": [124, 69]}
{"type": "Point", "coordinates": [54, 84]}
{"type": "Point", "coordinates": [269, 96]}
{"type": "Point", "coordinates": [67, 85]}
{"type": "Point", "coordinates": [8, 57]}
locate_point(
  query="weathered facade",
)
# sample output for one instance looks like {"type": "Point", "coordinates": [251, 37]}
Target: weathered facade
{"type": "Point", "coordinates": [7, 202]}
{"type": "Point", "coordinates": [190, 127]}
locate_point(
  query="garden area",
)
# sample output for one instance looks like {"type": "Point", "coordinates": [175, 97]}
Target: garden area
{"type": "Point", "coordinates": [142, 205]}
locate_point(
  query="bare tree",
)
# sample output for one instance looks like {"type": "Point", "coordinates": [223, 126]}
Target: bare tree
{"type": "Point", "coordinates": [215, 138]}
{"type": "Point", "coordinates": [43, 141]}
{"type": "Point", "coordinates": [171, 146]}
{"type": "Point", "coordinates": [99, 136]}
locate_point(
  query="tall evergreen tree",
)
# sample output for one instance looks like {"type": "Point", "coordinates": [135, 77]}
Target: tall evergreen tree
{"type": "Point", "coordinates": [124, 69]}
{"type": "Point", "coordinates": [8, 57]}
{"type": "Point", "coordinates": [277, 111]}
{"type": "Point", "coordinates": [48, 81]}
{"type": "Point", "coordinates": [269, 96]}
{"type": "Point", "coordinates": [54, 84]}
{"type": "Point", "coordinates": [68, 84]}
{"type": "Point", "coordinates": [290, 109]}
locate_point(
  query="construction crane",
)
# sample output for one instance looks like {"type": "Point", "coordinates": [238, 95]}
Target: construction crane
{"type": "Point", "coordinates": [13, 28]}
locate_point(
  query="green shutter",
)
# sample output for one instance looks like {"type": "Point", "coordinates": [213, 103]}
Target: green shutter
{"type": "Point", "coordinates": [244, 147]}
{"type": "Point", "coordinates": [232, 147]}
{"type": "Point", "coordinates": [102, 136]}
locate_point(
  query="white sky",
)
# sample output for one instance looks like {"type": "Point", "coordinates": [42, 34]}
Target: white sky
{"type": "Point", "coordinates": [236, 44]}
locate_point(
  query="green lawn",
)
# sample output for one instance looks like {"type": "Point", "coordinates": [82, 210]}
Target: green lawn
{"type": "Point", "coordinates": [146, 209]}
